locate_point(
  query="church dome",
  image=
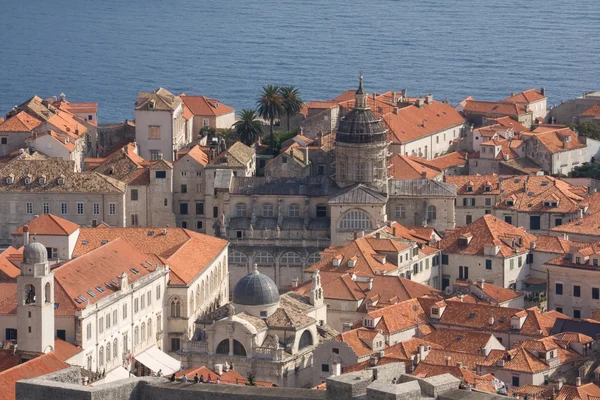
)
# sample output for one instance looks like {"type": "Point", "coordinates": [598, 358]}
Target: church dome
{"type": "Point", "coordinates": [255, 289]}
{"type": "Point", "coordinates": [361, 125]}
{"type": "Point", "coordinates": [35, 253]}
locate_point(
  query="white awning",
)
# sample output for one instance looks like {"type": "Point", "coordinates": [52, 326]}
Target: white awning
{"type": "Point", "coordinates": [114, 375]}
{"type": "Point", "coordinates": [156, 360]}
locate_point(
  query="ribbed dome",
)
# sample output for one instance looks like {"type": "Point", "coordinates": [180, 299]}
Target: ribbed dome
{"type": "Point", "coordinates": [35, 253]}
{"type": "Point", "coordinates": [255, 289]}
{"type": "Point", "coordinates": [360, 126]}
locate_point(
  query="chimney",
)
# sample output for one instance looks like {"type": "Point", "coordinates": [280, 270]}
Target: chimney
{"type": "Point", "coordinates": [448, 360]}
{"type": "Point", "coordinates": [25, 235]}
{"type": "Point", "coordinates": [512, 94]}
{"type": "Point", "coordinates": [424, 175]}
{"type": "Point", "coordinates": [355, 235]}
{"type": "Point", "coordinates": [370, 287]}
{"type": "Point", "coordinates": [337, 368]}
{"type": "Point", "coordinates": [492, 320]}
{"type": "Point", "coordinates": [429, 99]}
{"type": "Point", "coordinates": [394, 99]}
{"type": "Point", "coordinates": [459, 364]}
{"type": "Point", "coordinates": [578, 381]}
{"type": "Point", "coordinates": [219, 369]}
{"type": "Point", "coordinates": [420, 102]}
{"type": "Point", "coordinates": [320, 138]}
{"type": "Point", "coordinates": [481, 283]}
{"type": "Point", "coordinates": [306, 155]}
{"type": "Point", "coordinates": [394, 230]}
{"type": "Point", "coordinates": [374, 95]}
{"type": "Point", "coordinates": [378, 235]}
{"type": "Point", "coordinates": [347, 326]}
{"type": "Point", "coordinates": [403, 92]}
{"type": "Point", "coordinates": [543, 91]}
{"type": "Point", "coordinates": [561, 382]}
{"type": "Point", "coordinates": [362, 233]}
{"type": "Point", "coordinates": [395, 110]}
{"type": "Point", "coordinates": [580, 212]}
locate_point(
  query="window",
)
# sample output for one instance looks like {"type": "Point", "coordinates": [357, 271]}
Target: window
{"type": "Point", "coordinates": [335, 350]}
{"type": "Point", "coordinates": [512, 263]}
{"type": "Point", "coordinates": [124, 310]}
{"type": "Point", "coordinates": [431, 213]}
{"type": "Point", "coordinates": [175, 344]}
{"type": "Point", "coordinates": [142, 302]}
{"type": "Point", "coordinates": [577, 314]}
{"type": "Point", "coordinates": [204, 123]}
{"type": "Point", "coordinates": [236, 257]}
{"type": "Point", "coordinates": [267, 210]}
{"type": "Point", "coordinates": [11, 334]}
{"type": "Point", "coordinates": [160, 174]}
{"type": "Point", "coordinates": [488, 264]}
{"type": "Point", "coordinates": [488, 201]}
{"type": "Point", "coordinates": [306, 340]}
{"type": "Point", "coordinates": [149, 298]}
{"type": "Point", "coordinates": [294, 210]}
{"type": "Point", "coordinates": [183, 208]}
{"type": "Point", "coordinates": [324, 367]}
{"type": "Point", "coordinates": [136, 306]}
{"type": "Point", "coordinates": [199, 208]}
{"type": "Point", "coordinates": [134, 220]}
{"type": "Point", "coordinates": [183, 188]}
{"type": "Point", "coordinates": [321, 211]}
{"type": "Point", "coordinates": [529, 259]}
{"type": "Point", "coordinates": [4, 140]}
{"type": "Point", "coordinates": [215, 212]}
{"type": "Point", "coordinates": [578, 260]}
{"type": "Point", "coordinates": [240, 210]}
{"type": "Point", "coordinates": [264, 258]}
{"type": "Point", "coordinates": [356, 219]}
{"type": "Point", "coordinates": [534, 222]}
{"type": "Point", "coordinates": [463, 273]}
{"type": "Point", "coordinates": [46, 208]}
{"type": "Point", "coordinates": [153, 132]}
{"type": "Point", "coordinates": [508, 219]}
{"type": "Point", "coordinates": [558, 222]}
{"type": "Point", "coordinates": [321, 170]}
{"type": "Point", "coordinates": [595, 293]}
{"type": "Point", "coordinates": [114, 319]}
{"type": "Point", "coordinates": [29, 208]}
{"type": "Point", "coordinates": [576, 290]}
{"type": "Point", "coordinates": [158, 292]}
{"type": "Point", "coordinates": [291, 258]}
{"type": "Point", "coordinates": [155, 155]}
{"type": "Point", "coordinates": [60, 333]}
{"type": "Point", "coordinates": [64, 208]}
{"type": "Point", "coordinates": [89, 331]}
{"type": "Point", "coordinates": [515, 381]}
{"type": "Point", "coordinates": [558, 309]}
{"type": "Point", "coordinates": [444, 259]}
{"type": "Point", "coordinates": [284, 160]}
{"type": "Point", "coordinates": [595, 262]}
{"type": "Point", "coordinates": [112, 208]}
{"type": "Point", "coordinates": [79, 208]}
{"type": "Point", "coordinates": [101, 324]}
{"type": "Point", "coordinates": [96, 209]}
{"type": "Point", "coordinates": [175, 308]}
{"type": "Point", "coordinates": [134, 195]}
{"type": "Point", "coordinates": [101, 356]}
{"type": "Point", "coordinates": [520, 260]}
{"type": "Point", "coordinates": [199, 225]}
{"type": "Point", "coordinates": [400, 211]}
{"type": "Point", "coordinates": [559, 288]}
{"type": "Point", "coordinates": [361, 171]}
{"type": "Point", "coordinates": [468, 219]}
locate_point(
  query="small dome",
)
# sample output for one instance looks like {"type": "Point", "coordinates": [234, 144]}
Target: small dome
{"type": "Point", "coordinates": [361, 126]}
{"type": "Point", "coordinates": [255, 289]}
{"type": "Point", "coordinates": [35, 253]}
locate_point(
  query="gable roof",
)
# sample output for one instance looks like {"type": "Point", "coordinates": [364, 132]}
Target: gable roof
{"type": "Point", "coordinates": [421, 187]}
{"type": "Point", "coordinates": [204, 106]}
{"type": "Point", "coordinates": [465, 341]}
{"type": "Point", "coordinates": [406, 168]}
{"type": "Point", "coordinates": [48, 224]}
{"type": "Point", "coordinates": [441, 163]}
{"type": "Point", "coordinates": [398, 317]}
{"type": "Point", "coordinates": [487, 231]}
{"type": "Point", "coordinates": [525, 97]}
{"type": "Point", "coordinates": [478, 183]}
{"type": "Point", "coordinates": [162, 99]}
{"type": "Point", "coordinates": [554, 140]}
{"type": "Point", "coordinates": [20, 122]}
{"type": "Point", "coordinates": [196, 153]}
{"type": "Point", "coordinates": [236, 156]}
{"type": "Point", "coordinates": [42, 365]}
{"type": "Point", "coordinates": [494, 108]}
{"type": "Point", "coordinates": [359, 194]}
{"type": "Point", "coordinates": [593, 111]}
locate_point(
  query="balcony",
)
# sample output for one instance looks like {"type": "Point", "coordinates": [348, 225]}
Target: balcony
{"type": "Point", "coordinates": [194, 346]}
{"type": "Point", "coordinates": [268, 353]}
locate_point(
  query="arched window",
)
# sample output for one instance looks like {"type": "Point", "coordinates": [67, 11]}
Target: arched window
{"type": "Point", "coordinates": [313, 259]}
{"type": "Point", "coordinates": [291, 258]}
{"type": "Point", "coordinates": [29, 294]}
{"type": "Point", "coordinates": [136, 336]}
{"type": "Point", "coordinates": [143, 331]}
{"type": "Point", "coordinates": [238, 348]}
{"type": "Point", "coordinates": [202, 290]}
{"type": "Point", "coordinates": [237, 257]}
{"type": "Point", "coordinates": [47, 293]}
{"type": "Point", "coordinates": [166, 202]}
{"type": "Point", "coordinates": [356, 219]}
{"type": "Point", "coordinates": [192, 302]}
{"type": "Point", "coordinates": [264, 258]}
{"type": "Point", "coordinates": [267, 210]}
{"type": "Point", "coordinates": [223, 347]}
{"type": "Point", "coordinates": [431, 213]}
{"type": "Point", "coordinates": [240, 210]}
{"type": "Point", "coordinates": [115, 348]}
{"type": "Point", "coordinates": [149, 328]}
{"type": "Point", "coordinates": [101, 356]}
{"type": "Point", "coordinates": [294, 210]}
{"type": "Point", "coordinates": [305, 340]}
{"type": "Point", "coordinates": [107, 352]}
{"type": "Point", "coordinates": [175, 308]}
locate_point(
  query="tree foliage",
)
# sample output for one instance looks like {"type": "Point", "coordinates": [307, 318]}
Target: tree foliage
{"type": "Point", "coordinates": [251, 379]}
{"type": "Point", "coordinates": [248, 128]}
{"type": "Point", "coordinates": [291, 102]}
{"type": "Point", "coordinates": [586, 170]}
{"type": "Point", "coordinates": [270, 107]}
{"type": "Point", "coordinates": [587, 129]}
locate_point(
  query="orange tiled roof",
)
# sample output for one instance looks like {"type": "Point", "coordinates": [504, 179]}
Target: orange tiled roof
{"type": "Point", "coordinates": [76, 108]}
{"type": "Point", "coordinates": [65, 350]}
{"type": "Point", "coordinates": [197, 154]}
{"type": "Point", "coordinates": [508, 122]}
{"type": "Point", "coordinates": [497, 293]}
{"type": "Point", "coordinates": [404, 351]}
{"type": "Point", "coordinates": [322, 104]}
{"type": "Point", "coordinates": [399, 316]}
{"type": "Point", "coordinates": [357, 339]}
{"type": "Point", "coordinates": [48, 224]}
{"type": "Point", "coordinates": [553, 139]}
{"type": "Point", "coordinates": [465, 341]}
{"type": "Point", "coordinates": [7, 269]}
{"type": "Point", "coordinates": [494, 108]}
{"type": "Point", "coordinates": [63, 140]}
{"type": "Point", "coordinates": [525, 97]}
{"type": "Point", "coordinates": [587, 391]}
{"type": "Point", "coordinates": [555, 244]}
{"type": "Point", "coordinates": [454, 159]}
{"type": "Point", "coordinates": [424, 370]}
{"type": "Point", "coordinates": [478, 183]}
{"type": "Point", "coordinates": [405, 168]}
{"type": "Point", "coordinates": [20, 122]}
{"type": "Point", "coordinates": [38, 366]}
{"type": "Point", "coordinates": [486, 231]}
{"type": "Point", "coordinates": [440, 357]}
{"type": "Point", "coordinates": [186, 252]}
{"type": "Point", "coordinates": [204, 106]}
{"type": "Point", "coordinates": [593, 111]}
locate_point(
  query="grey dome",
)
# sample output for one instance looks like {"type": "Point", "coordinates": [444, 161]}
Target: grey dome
{"type": "Point", "coordinates": [255, 289]}
{"type": "Point", "coordinates": [35, 253]}
{"type": "Point", "coordinates": [360, 126]}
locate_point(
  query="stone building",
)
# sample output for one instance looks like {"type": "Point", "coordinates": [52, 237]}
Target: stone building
{"type": "Point", "coordinates": [556, 149]}
{"type": "Point", "coordinates": [261, 332]}
{"type": "Point", "coordinates": [160, 129]}
{"type": "Point", "coordinates": [478, 112]}
{"type": "Point", "coordinates": [208, 113]}
{"type": "Point", "coordinates": [533, 100]}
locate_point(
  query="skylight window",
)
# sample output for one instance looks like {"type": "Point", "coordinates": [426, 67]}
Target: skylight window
{"type": "Point", "coordinates": [83, 298]}
{"type": "Point", "coordinates": [471, 315]}
{"type": "Point", "coordinates": [108, 285]}
{"type": "Point", "coordinates": [115, 282]}
{"type": "Point", "coordinates": [84, 242]}
{"type": "Point", "coordinates": [104, 241]}
{"type": "Point", "coordinates": [91, 293]}
{"type": "Point", "coordinates": [98, 288]}
{"type": "Point", "coordinates": [502, 319]}
{"type": "Point", "coordinates": [135, 271]}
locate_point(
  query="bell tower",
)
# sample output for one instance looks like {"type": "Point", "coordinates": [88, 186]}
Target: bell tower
{"type": "Point", "coordinates": [35, 301]}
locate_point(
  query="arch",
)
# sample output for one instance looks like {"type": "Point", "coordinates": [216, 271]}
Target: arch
{"type": "Point", "coordinates": [29, 294]}
{"type": "Point", "coordinates": [115, 348]}
{"type": "Point", "coordinates": [237, 257]}
{"type": "Point", "coordinates": [223, 347]}
{"type": "Point", "coordinates": [48, 293]}
{"type": "Point", "coordinates": [108, 354]}
{"type": "Point", "coordinates": [356, 219]}
{"type": "Point", "coordinates": [101, 356]}
{"type": "Point", "coordinates": [143, 332]}
{"type": "Point", "coordinates": [291, 258]}
{"type": "Point", "coordinates": [313, 259]}
{"type": "Point", "coordinates": [431, 213]}
{"type": "Point", "coordinates": [175, 307]}
{"type": "Point", "coordinates": [305, 340]}
{"type": "Point", "coordinates": [238, 348]}
{"type": "Point", "coordinates": [264, 258]}
{"type": "Point", "coordinates": [240, 210]}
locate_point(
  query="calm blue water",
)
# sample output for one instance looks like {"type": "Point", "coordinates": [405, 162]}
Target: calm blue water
{"type": "Point", "coordinates": [108, 50]}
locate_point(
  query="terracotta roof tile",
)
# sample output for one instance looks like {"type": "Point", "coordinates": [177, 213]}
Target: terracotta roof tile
{"type": "Point", "coordinates": [407, 349]}
{"type": "Point", "coordinates": [65, 350]}
{"type": "Point", "coordinates": [465, 341]}
{"type": "Point", "coordinates": [41, 365]}
{"type": "Point", "coordinates": [405, 168]}
{"type": "Point", "coordinates": [525, 97]}
{"type": "Point", "coordinates": [453, 159]}
{"type": "Point", "coordinates": [204, 106]}
{"type": "Point", "coordinates": [424, 370]}
{"type": "Point", "coordinates": [440, 357]}
{"type": "Point", "coordinates": [593, 111]}
{"type": "Point", "coordinates": [584, 392]}
{"type": "Point", "coordinates": [494, 108]}
{"type": "Point", "coordinates": [76, 108]}
{"type": "Point", "coordinates": [554, 140]}
{"type": "Point", "coordinates": [477, 183]}
{"type": "Point", "coordinates": [357, 339]}
{"type": "Point", "coordinates": [20, 122]}
{"type": "Point", "coordinates": [197, 154]}
{"type": "Point", "coordinates": [48, 224]}
{"type": "Point", "coordinates": [399, 316]}
{"type": "Point", "coordinates": [8, 270]}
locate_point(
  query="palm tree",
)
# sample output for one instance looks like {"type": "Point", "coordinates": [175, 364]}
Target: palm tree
{"type": "Point", "coordinates": [292, 102]}
{"type": "Point", "coordinates": [248, 128]}
{"type": "Point", "coordinates": [270, 107]}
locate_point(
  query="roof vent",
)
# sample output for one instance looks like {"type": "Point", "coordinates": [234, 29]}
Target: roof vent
{"type": "Point", "coordinates": [84, 242]}
{"type": "Point", "coordinates": [104, 241]}
{"type": "Point", "coordinates": [150, 233]}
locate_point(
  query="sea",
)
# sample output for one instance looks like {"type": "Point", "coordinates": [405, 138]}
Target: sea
{"type": "Point", "coordinates": [109, 50]}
